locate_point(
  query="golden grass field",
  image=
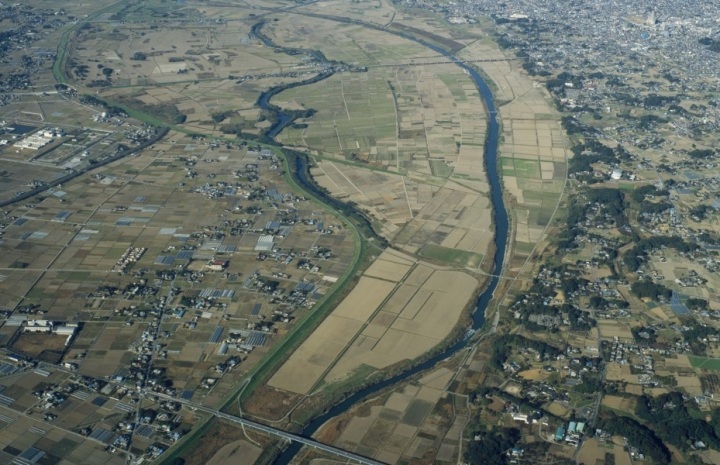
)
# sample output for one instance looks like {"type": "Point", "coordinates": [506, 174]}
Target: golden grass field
{"type": "Point", "coordinates": [400, 309]}
{"type": "Point", "coordinates": [624, 404]}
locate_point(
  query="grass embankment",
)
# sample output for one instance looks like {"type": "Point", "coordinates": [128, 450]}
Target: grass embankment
{"type": "Point", "coordinates": [299, 333]}
{"type": "Point", "coordinates": [309, 322]}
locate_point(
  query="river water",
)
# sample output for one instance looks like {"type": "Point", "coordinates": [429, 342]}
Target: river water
{"type": "Point", "coordinates": [501, 224]}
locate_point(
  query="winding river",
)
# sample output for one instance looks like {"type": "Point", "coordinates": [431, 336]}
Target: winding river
{"type": "Point", "coordinates": [501, 237]}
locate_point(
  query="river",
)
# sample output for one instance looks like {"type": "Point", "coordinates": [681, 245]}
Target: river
{"type": "Point", "coordinates": [501, 225]}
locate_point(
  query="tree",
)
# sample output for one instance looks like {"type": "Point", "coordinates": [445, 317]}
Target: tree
{"type": "Point", "coordinates": [637, 435]}
{"type": "Point", "coordinates": [648, 289]}
{"type": "Point", "coordinates": [491, 447]}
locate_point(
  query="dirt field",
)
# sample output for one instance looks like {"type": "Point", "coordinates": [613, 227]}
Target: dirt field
{"type": "Point", "coordinates": [410, 334]}
{"type": "Point", "coordinates": [557, 409]}
{"type": "Point", "coordinates": [623, 404]}
{"type": "Point", "coordinates": [592, 452]}
{"type": "Point", "coordinates": [406, 426]}
{"type": "Point", "coordinates": [238, 453]}
{"type": "Point", "coordinates": [380, 322]}
{"type": "Point", "coordinates": [691, 384]}
{"type": "Point", "coordinates": [222, 441]}
{"type": "Point", "coordinates": [617, 372]}
{"type": "Point", "coordinates": [46, 347]}
{"type": "Point", "coordinates": [611, 329]}
{"type": "Point", "coordinates": [534, 374]}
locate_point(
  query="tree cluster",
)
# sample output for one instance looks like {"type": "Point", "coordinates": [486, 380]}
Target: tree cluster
{"type": "Point", "coordinates": [634, 257]}
{"type": "Point", "coordinates": [504, 345]}
{"type": "Point", "coordinates": [671, 420]}
{"type": "Point", "coordinates": [641, 193]}
{"type": "Point", "coordinates": [491, 447]}
{"type": "Point", "coordinates": [637, 435]}
{"type": "Point", "coordinates": [650, 290]}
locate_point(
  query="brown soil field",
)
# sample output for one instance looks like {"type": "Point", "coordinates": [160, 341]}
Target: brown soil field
{"type": "Point", "coordinates": [592, 452]}
{"type": "Point", "coordinates": [364, 299]}
{"type": "Point", "coordinates": [213, 442]}
{"type": "Point", "coordinates": [534, 374]}
{"type": "Point", "coordinates": [409, 336]}
{"type": "Point", "coordinates": [269, 402]}
{"type": "Point", "coordinates": [46, 347]}
{"type": "Point", "coordinates": [400, 298]}
{"type": "Point", "coordinates": [557, 409]}
{"type": "Point", "coordinates": [238, 453]}
{"type": "Point", "coordinates": [610, 329]}
{"type": "Point", "coordinates": [307, 364]}
{"type": "Point", "coordinates": [419, 275]}
{"type": "Point", "coordinates": [380, 323]}
{"type": "Point", "coordinates": [691, 384]}
{"type": "Point", "coordinates": [634, 389]}
{"type": "Point", "coordinates": [388, 270]}
{"type": "Point", "coordinates": [617, 372]}
{"type": "Point", "coordinates": [680, 361]}
{"type": "Point", "coordinates": [622, 457]}
{"type": "Point", "coordinates": [623, 404]}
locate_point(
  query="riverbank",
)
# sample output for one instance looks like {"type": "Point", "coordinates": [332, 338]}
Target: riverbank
{"type": "Point", "coordinates": [501, 225]}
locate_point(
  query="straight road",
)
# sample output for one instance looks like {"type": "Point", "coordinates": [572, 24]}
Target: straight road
{"type": "Point", "coordinates": [275, 431]}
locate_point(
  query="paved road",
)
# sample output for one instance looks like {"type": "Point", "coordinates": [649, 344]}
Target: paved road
{"type": "Point", "coordinates": [241, 421]}
{"type": "Point", "coordinates": [277, 432]}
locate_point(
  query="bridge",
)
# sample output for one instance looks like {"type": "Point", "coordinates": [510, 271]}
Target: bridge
{"type": "Point", "coordinates": [277, 432]}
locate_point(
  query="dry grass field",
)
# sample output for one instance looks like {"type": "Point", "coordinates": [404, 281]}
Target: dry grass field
{"type": "Point", "coordinates": [611, 329]}
{"type": "Point", "coordinates": [593, 452]}
{"type": "Point", "coordinates": [45, 347]}
{"type": "Point", "coordinates": [411, 423]}
{"type": "Point", "coordinates": [225, 443]}
{"type": "Point", "coordinates": [373, 11]}
{"type": "Point", "coordinates": [240, 452]}
{"type": "Point", "coordinates": [623, 404]}
{"type": "Point", "coordinates": [400, 309]}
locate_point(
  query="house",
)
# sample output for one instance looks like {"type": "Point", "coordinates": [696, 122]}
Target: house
{"type": "Point", "coordinates": [218, 265]}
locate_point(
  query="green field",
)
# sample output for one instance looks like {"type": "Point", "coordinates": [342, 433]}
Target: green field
{"type": "Point", "coordinates": [705, 363]}
{"type": "Point", "coordinates": [453, 256]}
{"type": "Point", "coordinates": [440, 168]}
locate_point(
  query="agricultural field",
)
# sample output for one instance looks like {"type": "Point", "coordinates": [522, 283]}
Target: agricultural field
{"type": "Point", "coordinates": [222, 442]}
{"type": "Point", "coordinates": [402, 140]}
{"type": "Point", "coordinates": [704, 363]}
{"type": "Point", "coordinates": [215, 71]}
{"type": "Point", "coordinates": [186, 205]}
{"type": "Point", "coordinates": [190, 262]}
{"type": "Point", "coordinates": [533, 151]}
{"type": "Point", "coordinates": [381, 12]}
{"type": "Point", "coordinates": [393, 315]}
{"type": "Point", "coordinates": [419, 420]}
{"type": "Point", "coordinates": [145, 207]}
{"type": "Point", "coordinates": [23, 427]}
